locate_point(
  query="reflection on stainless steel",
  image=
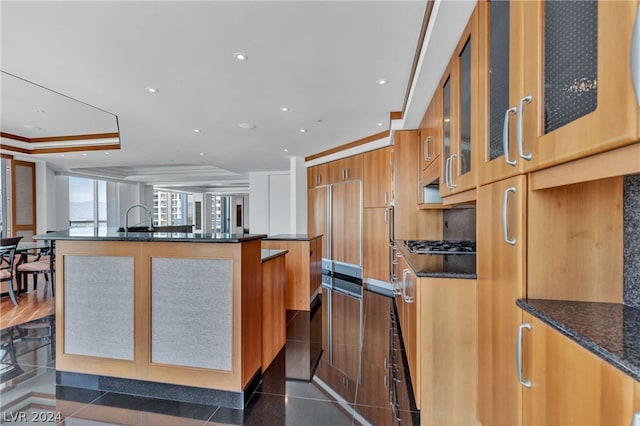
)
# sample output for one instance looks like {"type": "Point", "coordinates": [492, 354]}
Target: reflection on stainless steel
{"type": "Point", "coordinates": [363, 365]}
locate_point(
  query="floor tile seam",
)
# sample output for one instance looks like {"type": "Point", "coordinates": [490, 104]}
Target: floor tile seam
{"type": "Point", "coordinates": [84, 405]}
{"type": "Point", "coordinates": [211, 416]}
{"type": "Point", "coordinates": [303, 397]}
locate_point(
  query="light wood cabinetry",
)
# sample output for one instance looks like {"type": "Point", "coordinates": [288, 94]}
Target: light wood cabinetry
{"type": "Point", "coordinates": [501, 251]}
{"type": "Point", "coordinates": [318, 215]}
{"type": "Point", "coordinates": [375, 262]}
{"type": "Point", "coordinates": [346, 169]}
{"type": "Point", "coordinates": [318, 175]}
{"type": "Point", "coordinates": [557, 78]}
{"type": "Point", "coordinates": [581, 245]}
{"type": "Point", "coordinates": [570, 385]}
{"type": "Point", "coordinates": [304, 268]}
{"type": "Point", "coordinates": [459, 88]}
{"type": "Point", "coordinates": [376, 183]}
{"type": "Point", "coordinates": [447, 344]}
{"type": "Point", "coordinates": [346, 222]}
{"type": "Point", "coordinates": [430, 147]}
{"type": "Point", "coordinates": [274, 281]}
{"type": "Point", "coordinates": [410, 222]}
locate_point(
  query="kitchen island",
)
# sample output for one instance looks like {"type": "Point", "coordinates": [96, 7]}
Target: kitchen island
{"type": "Point", "coordinates": [173, 315]}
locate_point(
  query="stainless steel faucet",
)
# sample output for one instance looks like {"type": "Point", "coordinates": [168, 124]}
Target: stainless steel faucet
{"type": "Point", "coordinates": [149, 216]}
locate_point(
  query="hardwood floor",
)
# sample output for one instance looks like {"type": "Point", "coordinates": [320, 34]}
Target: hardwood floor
{"type": "Point", "coordinates": [33, 305]}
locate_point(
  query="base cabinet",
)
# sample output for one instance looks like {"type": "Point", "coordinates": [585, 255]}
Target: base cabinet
{"type": "Point", "coordinates": [568, 384]}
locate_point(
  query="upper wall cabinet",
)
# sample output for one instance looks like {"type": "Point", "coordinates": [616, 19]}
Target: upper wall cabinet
{"type": "Point", "coordinates": [378, 166]}
{"type": "Point", "coordinates": [318, 175]}
{"type": "Point", "coordinates": [577, 97]}
{"type": "Point", "coordinates": [500, 76]}
{"type": "Point", "coordinates": [346, 169]}
{"type": "Point", "coordinates": [459, 106]}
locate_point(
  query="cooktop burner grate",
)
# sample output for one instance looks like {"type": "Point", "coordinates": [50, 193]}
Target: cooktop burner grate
{"type": "Point", "coordinates": [441, 247]}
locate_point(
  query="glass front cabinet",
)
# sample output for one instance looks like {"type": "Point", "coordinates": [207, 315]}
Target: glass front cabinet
{"type": "Point", "coordinates": [459, 89]}
{"type": "Point", "coordinates": [555, 82]}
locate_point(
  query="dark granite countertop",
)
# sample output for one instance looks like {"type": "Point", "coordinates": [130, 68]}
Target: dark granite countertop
{"type": "Point", "coordinates": [268, 254]}
{"type": "Point", "coordinates": [293, 237]}
{"type": "Point", "coordinates": [609, 330]}
{"type": "Point", "coordinates": [439, 266]}
{"type": "Point", "coordinates": [112, 234]}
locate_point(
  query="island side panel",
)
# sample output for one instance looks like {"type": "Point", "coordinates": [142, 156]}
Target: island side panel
{"type": "Point", "coordinates": [251, 310]}
{"type": "Point", "coordinates": [97, 296]}
{"type": "Point", "coordinates": [202, 318]}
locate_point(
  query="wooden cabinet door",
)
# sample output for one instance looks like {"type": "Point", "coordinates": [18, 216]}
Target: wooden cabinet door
{"type": "Point", "coordinates": [23, 205]}
{"type": "Point", "coordinates": [375, 257]}
{"type": "Point", "coordinates": [500, 28]}
{"type": "Point", "coordinates": [460, 107]}
{"type": "Point", "coordinates": [431, 145]}
{"type": "Point", "coordinates": [318, 216]}
{"type": "Point", "coordinates": [570, 385]}
{"type": "Point", "coordinates": [577, 98]}
{"type": "Point", "coordinates": [376, 180]}
{"type": "Point", "coordinates": [318, 175]}
{"type": "Point", "coordinates": [501, 280]}
{"type": "Point", "coordinates": [346, 222]}
{"type": "Point", "coordinates": [346, 169]}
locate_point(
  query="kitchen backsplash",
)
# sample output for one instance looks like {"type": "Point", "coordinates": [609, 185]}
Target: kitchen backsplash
{"type": "Point", "coordinates": [632, 240]}
{"type": "Point", "coordinates": [459, 224]}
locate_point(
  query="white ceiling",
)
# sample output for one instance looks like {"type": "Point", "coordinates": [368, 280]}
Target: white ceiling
{"type": "Point", "coordinates": [321, 59]}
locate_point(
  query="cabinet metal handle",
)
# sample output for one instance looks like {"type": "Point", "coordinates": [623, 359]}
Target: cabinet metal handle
{"type": "Point", "coordinates": [451, 182]}
{"type": "Point", "coordinates": [524, 382]}
{"type": "Point", "coordinates": [635, 421]}
{"type": "Point", "coordinates": [505, 203]}
{"type": "Point", "coordinates": [528, 100]}
{"type": "Point", "coordinates": [427, 157]}
{"type": "Point", "coordinates": [635, 57]}
{"type": "Point", "coordinates": [406, 298]}
{"type": "Point", "coordinates": [447, 166]}
{"type": "Point", "coordinates": [505, 136]}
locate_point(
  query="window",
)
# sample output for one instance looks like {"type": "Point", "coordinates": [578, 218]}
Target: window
{"type": "Point", "coordinates": [87, 203]}
{"type": "Point", "coordinates": [172, 208]}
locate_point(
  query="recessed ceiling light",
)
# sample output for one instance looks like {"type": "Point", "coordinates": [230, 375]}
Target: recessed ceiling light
{"type": "Point", "coordinates": [61, 155]}
{"type": "Point", "coordinates": [319, 121]}
{"type": "Point", "coordinates": [196, 130]}
{"type": "Point", "coordinates": [107, 153]}
{"type": "Point", "coordinates": [240, 56]}
{"type": "Point", "coordinates": [152, 89]}
{"type": "Point", "coordinates": [247, 126]}
{"type": "Point", "coordinates": [84, 154]}
{"type": "Point", "coordinates": [380, 124]}
{"type": "Point", "coordinates": [284, 109]}
{"type": "Point", "coordinates": [286, 150]}
{"type": "Point", "coordinates": [383, 81]}
{"type": "Point", "coordinates": [303, 130]}
{"type": "Point", "coordinates": [202, 153]}
{"type": "Point", "coordinates": [39, 111]}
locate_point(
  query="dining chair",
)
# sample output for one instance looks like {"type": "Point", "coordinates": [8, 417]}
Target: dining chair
{"type": "Point", "coordinates": [42, 263]}
{"type": "Point", "coordinates": [8, 248]}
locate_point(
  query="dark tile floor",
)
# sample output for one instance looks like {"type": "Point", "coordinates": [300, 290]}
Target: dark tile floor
{"type": "Point", "coordinates": [333, 370]}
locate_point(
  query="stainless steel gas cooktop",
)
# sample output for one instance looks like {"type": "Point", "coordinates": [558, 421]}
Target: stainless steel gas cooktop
{"type": "Point", "coordinates": [440, 246]}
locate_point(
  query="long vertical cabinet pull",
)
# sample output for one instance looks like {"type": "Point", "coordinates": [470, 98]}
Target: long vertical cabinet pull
{"type": "Point", "coordinates": [505, 205]}
{"type": "Point", "coordinates": [453, 184]}
{"type": "Point", "coordinates": [528, 100]}
{"type": "Point", "coordinates": [635, 60]}
{"type": "Point", "coordinates": [447, 164]}
{"type": "Point", "coordinates": [427, 157]}
{"type": "Point", "coordinates": [406, 298]}
{"type": "Point", "coordinates": [524, 382]}
{"type": "Point", "coordinates": [505, 136]}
